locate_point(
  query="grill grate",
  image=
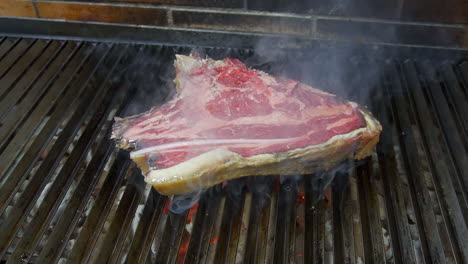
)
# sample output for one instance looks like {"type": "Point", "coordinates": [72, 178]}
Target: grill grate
{"type": "Point", "coordinates": [67, 194]}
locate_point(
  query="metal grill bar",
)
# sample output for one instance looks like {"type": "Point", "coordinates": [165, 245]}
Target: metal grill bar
{"type": "Point", "coordinates": [67, 194]}
{"type": "Point", "coordinates": [39, 180]}
{"type": "Point", "coordinates": [5, 45]}
{"type": "Point", "coordinates": [24, 166]}
{"type": "Point", "coordinates": [140, 248]}
{"type": "Point", "coordinates": [451, 189]}
{"type": "Point", "coordinates": [34, 119]}
{"type": "Point", "coordinates": [463, 76]}
{"type": "Point", "coordinates": [423, 214]}
{"type": "Point", "coordinates": [86, 240]}
{"type": "Point", "coordinates": [45, 58]}
{"type": "Point", "coordinates": [22, 64]}
{"type": "Point", "coordinates": [446, 118]}
{"type": "Point", "coordinates": [16, 52]}
{"type": "Point", "coordinates": [455, 94]}
{"type": "Point", "coordinates": [71, 167]}
{"type": "Point", "coordinates": [395, 197]}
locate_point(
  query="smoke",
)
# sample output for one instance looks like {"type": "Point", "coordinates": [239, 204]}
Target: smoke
{"type": "Point", "coordinates": [261, 188]}
{"type": "Point", "coordinates": [349, 70]}
{"type": "Point", "coordinates": [339, 68]}
{"type": "Point", "coordinates": [233, 190]}
{"type": "Point", "coordinates": [181, 203]}
{"type": "Point", "coordinates": [150, 74]}
{"type": "Point", "coordinates": [332, 69]}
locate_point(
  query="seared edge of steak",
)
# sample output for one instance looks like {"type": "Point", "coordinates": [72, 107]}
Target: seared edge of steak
{"type": "Point", "coordinates": [118, 128]}
{"type": "Point", "coordinates": [121, 125]}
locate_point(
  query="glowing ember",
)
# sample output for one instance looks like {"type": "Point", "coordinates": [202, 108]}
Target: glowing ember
{"type": "Point", "coordinates": [191, 212]}
{"type": "Point", "coordinates": [300, 198]}
{"type": "Point", "coordinates": [278, 184]}
{"type": "Point", "coordinates": [183, 247]}
{"type": "Point", "coordinates": [166, 207]}
{"type": "Point", "coordinates": [213, 240]}
{"type": "Point", "coordinates": [186, 239]}
{"type": "Point", "coordinates": [327, 199]}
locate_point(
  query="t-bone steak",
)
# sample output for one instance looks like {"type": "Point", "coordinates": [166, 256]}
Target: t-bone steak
{"type": "Point", "coordinates": [228, 121]}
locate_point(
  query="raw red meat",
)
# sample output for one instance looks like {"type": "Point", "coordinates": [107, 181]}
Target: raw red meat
{"type": "Point", "coordinates": [223, 105]}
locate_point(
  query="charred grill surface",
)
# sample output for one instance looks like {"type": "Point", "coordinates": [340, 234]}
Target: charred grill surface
{"type": "Point", "coordinates": [66, 192]}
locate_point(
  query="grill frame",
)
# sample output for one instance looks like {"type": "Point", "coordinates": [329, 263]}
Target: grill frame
{"type": "Point", "coordinates": [416, 176]}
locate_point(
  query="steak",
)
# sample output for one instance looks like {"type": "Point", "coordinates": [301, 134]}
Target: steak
{"type": "Point", "coordinates": [228, 121]}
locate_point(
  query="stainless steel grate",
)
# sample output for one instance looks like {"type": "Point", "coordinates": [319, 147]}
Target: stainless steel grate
{"type": "Point", "coordinates": [67, 194]}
